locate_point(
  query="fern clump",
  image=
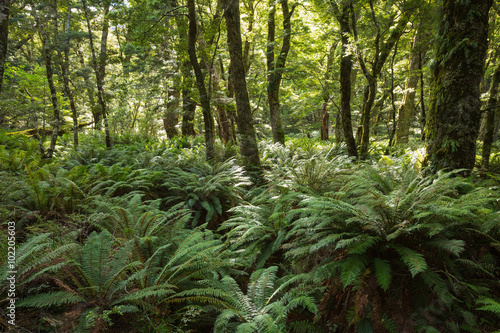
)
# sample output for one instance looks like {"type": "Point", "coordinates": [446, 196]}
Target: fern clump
{"type": "Point", "coordinates": [394, 233]}
{"type": "Point", "coordinates": [209, 191]}
{"type": "Point", "coordinates": [258, 229]}
{"type": "Point", "coordinates": [265, 307]}
{"type": "Point", "coordinates": [94, 277]}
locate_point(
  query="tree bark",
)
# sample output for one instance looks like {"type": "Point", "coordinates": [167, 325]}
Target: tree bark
{"type": "Point", "coordinates": [454, 117]}
{"type": "Point", "coordinates": [246, 130]}
{"type": "Point", "coordinates": [406, 110]}
{"type": "Point", "coordinates": [326, 94]}
{"type": "Point", "coordinates": [90, 93]}
{"type": "Point", "coordinates": [64, 64]}
{"type": "Point", "coordinates": [4, 36]}
{"type": "Point", "coordinates": [275, 68]}
{"type": "Point", "coordinates": [200, 81]}
{"type": "Point", "coordinates": [342, 16]}
{"type": "Point", "coordinates": [171, 115]}
{"type": "Point", "coordinates": [382, 51]}
{"type": "Point", "coordinates": [99, 67]}
{"type": "Point", "coordinates": [188, 104]}
{"type": "Point", "coordinates": [49, 72]}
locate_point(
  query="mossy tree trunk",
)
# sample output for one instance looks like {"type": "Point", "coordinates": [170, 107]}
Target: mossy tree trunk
{"type": "Point", "coordinates": [406, 110]}
{"type": "Point", "coordinates": [49, 71]}
{"type": "Point", "coordinates": [188, 104]}
{"type": "Point", "coordinates": [326, 94]}
{"type": "Point", "coordinates": [342, 15]}
{"type": "Point", "coordinates": [171, 117]}
{"type": "Point", "coordinates": [64, 64]}
{"type": "Point", "coordinates": [99, 65]}
{"type": "Point", "coordinates": [200, 82]}
{"type": "Point", "coordinates": [276, 67]}
{"type": "Point", "coordinates": [382, 51]}
{"type": "Point", "coordinates": [246, 130]}
{"type": "Point", "coordinates": [454, 117]}
{"type": "Point", "coordinates": [4, 35]}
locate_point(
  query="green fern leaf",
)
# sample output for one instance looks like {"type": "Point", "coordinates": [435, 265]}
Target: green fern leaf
{"type": "Point", "coordinates": [413, 260]}
{"type": "Point", "coordinates": [383, 272]}
{"type": "Point", "coordinates": [352, 267]}
{"type": "Point", "coordinates": [489, 305]}
{"type": "Point", "coordinates": [453, 246]}
{"type": "Point", "coordinates": [246, 328]}
{"type": "Point", "coordinates": [50, 299]}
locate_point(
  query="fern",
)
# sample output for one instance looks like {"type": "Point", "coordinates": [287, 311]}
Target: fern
{"type": "Point", "coordinates": [50, 299]}
{"type": "Point", "coordinates": [209, 191]}
{"type": "Point", "coordinates": [396, 225]}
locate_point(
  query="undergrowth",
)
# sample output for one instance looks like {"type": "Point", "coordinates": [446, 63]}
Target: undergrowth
{"type": "Point", "coordinates": [149, 237]}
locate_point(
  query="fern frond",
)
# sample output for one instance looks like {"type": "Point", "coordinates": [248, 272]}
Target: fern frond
{"type": "Point", "coordinates": [50, 299]}
{"type": "Point", "coordinates": [382, 272]}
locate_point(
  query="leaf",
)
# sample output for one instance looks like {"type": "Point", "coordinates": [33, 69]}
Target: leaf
{"type": "Point", "coordinates": [489, 305]}
{"type": "Point", "coordinates": [453, 246]}
{"type": "Point", "coordinates": [383, 272]}
{"type": "Point", "coordinates": [413, 260]}
{"type": "Point", "coordinates": [50, 299]}
{"type": "Point", "coordinates": [351, 269]}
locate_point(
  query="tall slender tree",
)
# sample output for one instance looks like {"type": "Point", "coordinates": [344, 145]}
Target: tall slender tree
{"type": "Point", "coordinates": [454, 117]}
{"type": "Point", "coordinates": [64, 65]}
{"type": "Point", "coordinates": [50, 78]}
{"type": "Point", "coordinates": [100, 64]}
{"type": "Point", "coordinates": [4, 35]}
{"type": "Point", "coordinates": [407, 108]}
{"type": "Point", "coordinates": [246, 130]}
{"type": "Point", "coordinates": [343, 15]}
{"type": "Point", "coordinates": [200, 81]}
{"type": "Point", "coordinates": [382, 50]}
{"type": "Point", "coordinates": [276, 67]}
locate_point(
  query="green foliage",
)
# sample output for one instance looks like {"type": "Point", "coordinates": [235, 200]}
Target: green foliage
{"type": "Point", "coordinates": [208, 190]}
{"type": "Point", "coordinates": [35, 257]}
{"type": "Point", "coordinates": [265, 307]}
{"type": "Point", "coordinates": [390, 224]}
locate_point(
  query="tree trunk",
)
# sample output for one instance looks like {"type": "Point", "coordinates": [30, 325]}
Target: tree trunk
{"type": "Point", "coordinates": [99, 67]}
{"type": "Point", "coordinates": [423, 116]}
{"type": "Point", "coordinates": [326, 94]}
{"type": "Point", "coordinates": [491, 109]}
{"type": "Point", "coordinates": [53, 92]}
{"type": "Point", "coordinates": [275, 68]}
{"type": "Point", "coordinates": [454, 117]}
{"type": "Point", "coordinates": [325, 121]}
{"type": "Point", "coordinates": [64, 64]}
{"type": "Point", "coordinates": [171, 115]}
{"type": "Point", "coordinates": [345, 81]}
{"type": "Point", "coordinates": [200, 81]}
{"type": "Point", "coordinates": [246, 130]}
{"type": "Point", "coordinates": [90, 93]}
{"type": "Point", "coordinates": [382, 51]}
{"type": "Point", "coordinates": [406, 110]}
{"type": "Point", "coordinates": [4, 35]}
{"type": "Point", "coordinates": [188, 104]}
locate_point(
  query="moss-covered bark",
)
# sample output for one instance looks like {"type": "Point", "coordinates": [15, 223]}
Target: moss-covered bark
{"type": "Point", "coordinates": [345, 80]}
{"type": "Point", "coordinates": [4, 35]}
{"type": "Point", "coordinates": [246, 130]}
{"type": "Point", "coordinates": [454, 117]}
{"type": "Point", "coordinates": [406, 110]}
{"type": "Point", "coordinates": [276, 67]}
{"type": "Point", "coordinates": [50, 80]}
{"type": "Point", "coordinates": [200, 81]}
